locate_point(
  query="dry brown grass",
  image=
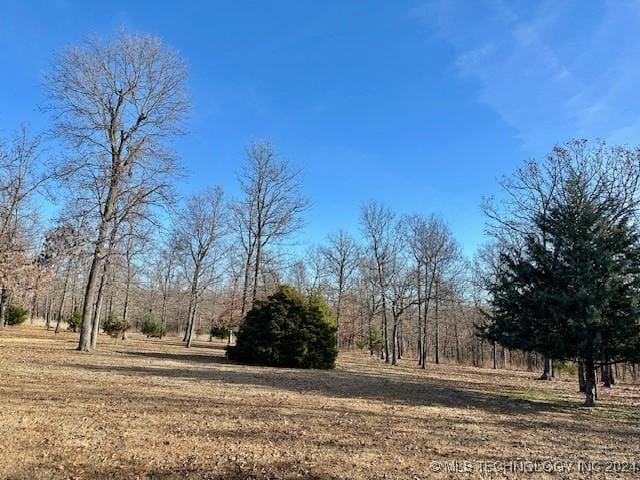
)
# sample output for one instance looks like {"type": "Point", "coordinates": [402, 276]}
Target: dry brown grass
{"type": "Point", "coordinates": [146, 408]}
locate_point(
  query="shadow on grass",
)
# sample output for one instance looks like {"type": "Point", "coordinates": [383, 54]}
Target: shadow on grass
{"type": "Point", "coordinates": [336, 383]}
{"type": "Point", "coordinates": [188, 356]}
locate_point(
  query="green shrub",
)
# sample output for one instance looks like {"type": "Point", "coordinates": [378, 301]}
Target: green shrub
{"type": "Point", "coordinates": [219, 332]}
{"type": "Point", "coordinates": [115, 326]}
{"type": "Point", "coordinates": [152, 327]}
{"type": "Point", "coordinates": [375, 343]}
{"type": "Point", "coordinates": [15, 314]}
{"type": "Point", "coordinates": [317, 301]}
{"type": "Point", "coordinates": [568, 367]}
{"type": "Point", "coordinates": [286, 330]}
{"type": "Point", "coordinates": [75, 322]}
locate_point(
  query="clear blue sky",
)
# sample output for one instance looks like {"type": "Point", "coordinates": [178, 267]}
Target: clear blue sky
{"type": "Point", "coordinates": [416, 104]}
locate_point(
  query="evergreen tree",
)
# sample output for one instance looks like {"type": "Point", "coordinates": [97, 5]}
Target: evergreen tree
{"type": "Point", "coordinates": [287, 330]}
{"type": "Point", "coordinates": [575, 294]}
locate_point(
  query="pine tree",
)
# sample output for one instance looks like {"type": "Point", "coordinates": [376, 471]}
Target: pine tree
{"type": "Point", "coordinates": [287, 330]}
{"type": "Point", "coordinates": [575, 295]}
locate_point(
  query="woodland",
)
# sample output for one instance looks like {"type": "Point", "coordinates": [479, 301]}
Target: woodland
{"type": "Point", "coordinates": [148, 303]}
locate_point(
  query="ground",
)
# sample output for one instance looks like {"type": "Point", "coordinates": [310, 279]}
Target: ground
{"type": "Point", "coordinates": [145, 408]}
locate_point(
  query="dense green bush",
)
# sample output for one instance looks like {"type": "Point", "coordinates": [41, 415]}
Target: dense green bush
{"type": "Point", "coordinates": [15, 314]}
{"type": "Point", "coordinates": [220, 332]}
{"type": "Point", "coordinates": [115, 326]}
{"type": "Point", "coordinates": [287, 330]}
{"type": "Point", "coordinates": [75, 322]}
{"type": "Point", "coordinates": [152, 327]}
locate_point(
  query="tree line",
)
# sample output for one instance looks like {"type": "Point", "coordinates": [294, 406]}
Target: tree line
{"type": "Point", "coordinates": [125, 246]}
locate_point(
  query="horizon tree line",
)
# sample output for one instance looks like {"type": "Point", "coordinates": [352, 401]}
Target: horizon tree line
{"type": "Point", "coordinates": [124, 245]}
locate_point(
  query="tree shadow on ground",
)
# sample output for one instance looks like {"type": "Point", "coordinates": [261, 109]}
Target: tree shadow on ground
{"type": "Point", "coordinates": [421, 391]}
{"type": "Point", "coordinates": [188, 357]}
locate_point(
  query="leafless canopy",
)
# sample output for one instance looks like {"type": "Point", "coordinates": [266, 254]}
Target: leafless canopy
{"type": "Point", "coordinates": [116, 103]}
{"type": "Point", "coordinates": [198, 235]}
{"type": "Point", "coordinates": [611, 173]}
{"type": "Point", "coordinates": [270, 207]}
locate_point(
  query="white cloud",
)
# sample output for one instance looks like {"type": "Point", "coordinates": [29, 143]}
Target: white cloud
{"type": "Point", "coordinates": [551, 70]}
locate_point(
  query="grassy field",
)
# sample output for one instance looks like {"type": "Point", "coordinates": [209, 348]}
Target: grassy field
{"type": "Point", "coordinates": [144, 408]}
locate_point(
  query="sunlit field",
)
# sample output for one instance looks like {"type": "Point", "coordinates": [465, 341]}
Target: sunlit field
{"type": "Point", "coordinates": [145, 408]}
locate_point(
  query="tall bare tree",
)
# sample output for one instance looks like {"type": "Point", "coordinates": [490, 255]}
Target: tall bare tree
{"type": "Point", "coordinates": [269, 210]}
{"type": "Point", "coordinates": [21, 178]}
{"type": "Point", "coordinates": [402, 293]}
{"type": "Point", "coordinates": [377, 223]}
{"type": "Point", "coordinates": [116, 102]}
{"type": "Point", "coordinates": [341, 257]}
{"type": "Point", "coordinates": [199, 234]}
{"type": "Point", "coordinates": [165, 274]}
{"type": "Point", "coordinates": [435, 252]}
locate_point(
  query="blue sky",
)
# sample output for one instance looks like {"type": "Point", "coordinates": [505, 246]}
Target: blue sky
{"type": "Point", "coordinates": [420, 105]}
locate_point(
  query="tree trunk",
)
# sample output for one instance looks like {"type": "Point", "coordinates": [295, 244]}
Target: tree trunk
{"type": "Point", "coordinates": [185, 337]}
{"type": "Point", "coordinates": [613, 373]}
{"type": "Point", "coordinates": [419, 290]}
{"type": "Point", "coordinates": [47, 313]}
{"type": "Point", "coordinates": [163, 314]}
{"type": "Point", "coordinates": [256, 272]}
{"type": "Point", "coordinates": [64, 295]}
{"type": "Point", "coordinates": [546, 374]}
{"type": "Point", "coordinates": [191, 324]}
{"type": "Point", "coordinates": [457, 339]}
{"type": "Point", "coordinates": [34, 302]}
{"type": "Point", "coordinates": [125, 307]}
{"type": "Point", "coordinates": [95, 323]}
{"type": "Point", "coordinates": [95, 319]}
{"type": "Point", "coordinates": [437, 337]}
{"type": "Point", "coordinates": [245, 287]}
{"type": "Point", "coordinates": [193, 301]}
{"type": "Point", "coordinates": [607, 374]}
{"type": "Point", "coordinates": [338, 307]}
{"type": "Point", "coordinates": [427, 299]}
{"type": "Point", "coordinates": [581, 378]}
{"type": "Point", "coordinates": [3, 303]}
{"type": "Point", "coordinates": [394, 335]}
{"type": "Point", "coordinates": [400, 340]}
{"type": "Point", "coordinates": [495, 355]}
{"type": "Point", "coordinates": [590, 383]}
{"type": "Point", "coordinates": [74, 285]}
{"type": "Point", "coordinates": [385, 333]}
{"type": "Point", "coordinates": [84, 343]}
{"type": "Point", "coordinates": [370, 339]}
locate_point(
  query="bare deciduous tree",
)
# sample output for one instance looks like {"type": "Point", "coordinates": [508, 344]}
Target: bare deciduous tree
{"type": "Point", "coordinates": [269, 210]}
{"type": "Point", "coordinates": [378, 224]}
{"type": "Point", "coordinates": [199, 233]}
{"type": "Point", "coordinates": [341, 256]}
{"type": "Point", "coordinates": [20, 179]}
{"type": "Point", "coordinates": [434, 250]}
{"type": "Point", "coordinates": [115, 103]}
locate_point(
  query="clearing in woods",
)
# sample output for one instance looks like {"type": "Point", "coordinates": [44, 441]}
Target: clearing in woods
{"type": "Point", "coordinates": [144, 408]}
